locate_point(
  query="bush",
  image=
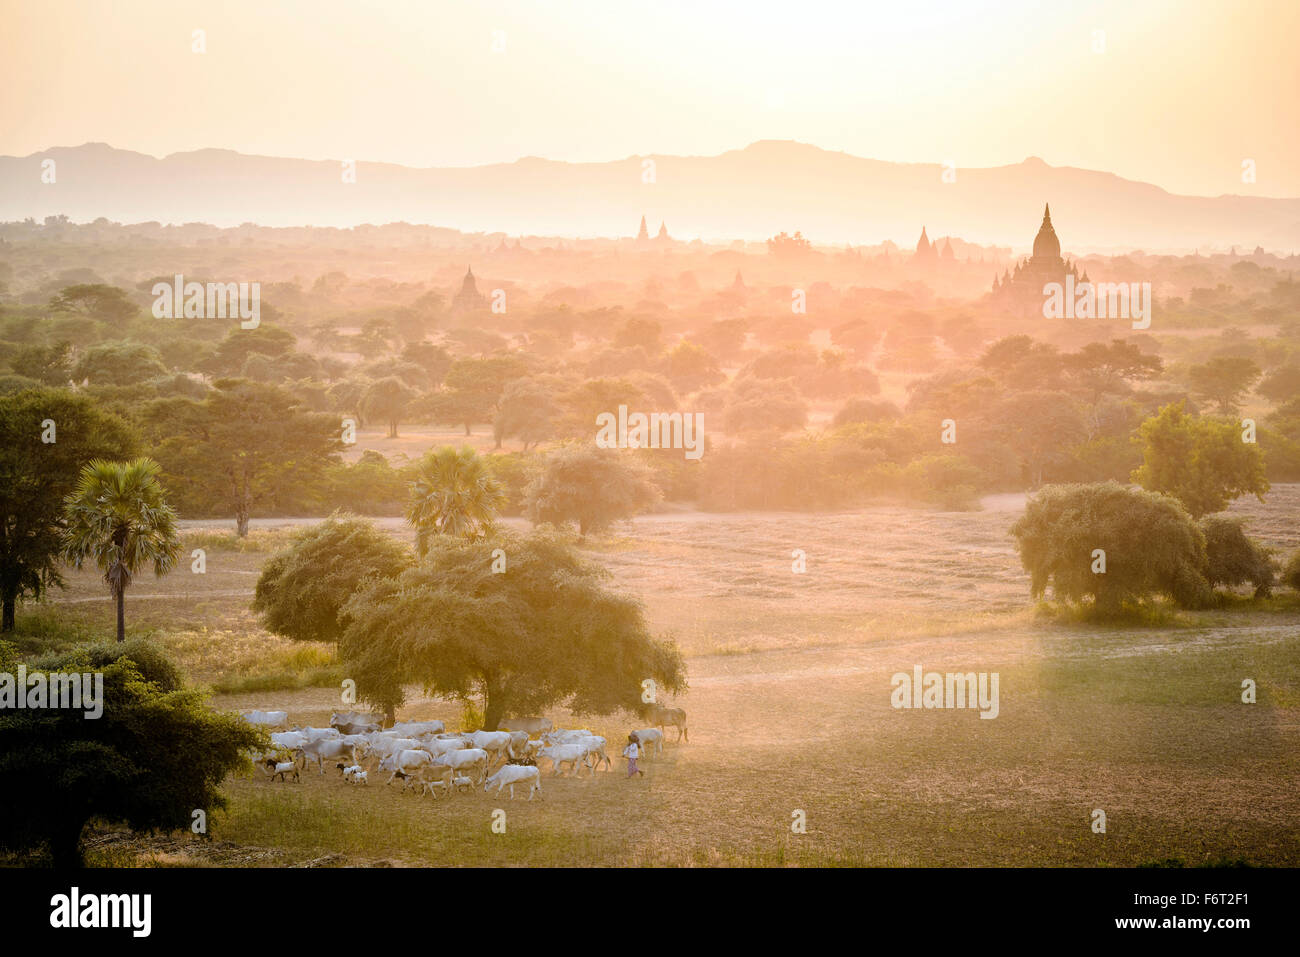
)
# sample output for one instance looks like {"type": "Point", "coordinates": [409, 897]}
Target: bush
{"type": "Point", "coordinates": [1233, 559]}
{"type": "Point", "coordinates": [1291, 574]}
{"type": "Point", "coordinates": [1151, 546]}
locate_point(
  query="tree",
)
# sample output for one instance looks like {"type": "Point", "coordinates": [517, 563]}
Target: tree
{"type": "Point", "coordinates": [1150, 546]}
{"type": "Point", "coordinates": [246, 443]}
{"type": "Point", "coordinates": [233, 351]}
{"type": "Point", "coordinates": [387, 400]}
{"type": "Point", "coordinates": [789, 247]}
{"type": "Point", "coordinates": [1020, 362]}
{"type": "Point", "coordinates": [1040, 427]}
{"type": "Point", "coordinates": [543, 632]}
{"type": "Point", "coordinates": [155, 756]}
{"type": "Point", "coordinates": [528, 412]}
{"type": "Point", "coordinates": [1101, 368]}
{"type": "Point", "coordinates": [119, 363]}
{"type": "Point", "coordinates": [1280, 385]}
{"type": "Point", "coordinates": [302, 589]}
{"type": "Point", "coordinates": [690, 368]}
{"type": "Point", "coordinates": [764, 405]}
{"type": "Point", "coordinates": [593, 487]}
{"type": "Point", "coordinates": [36, 476]}
{"type": "Point", "coordinates": [454, 493]}
{"type": "Point", "coordinates": [118, 516]}
{"type": "Point", "coordinates": [50, 365]}
{"type": "Point", "coordinates": [1202, 462]}
{"type": "Point", "coordinates": [1223, 381]}
{"type": "Point", "coordinates": [1233, 558]}
{"type": "Point", "coordinates": [474, 387]}
{"type": "Point", "coordinates": [95, 300]}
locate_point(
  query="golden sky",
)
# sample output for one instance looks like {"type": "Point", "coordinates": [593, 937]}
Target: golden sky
{"type": "Point", "coordinates": [1181, 95]}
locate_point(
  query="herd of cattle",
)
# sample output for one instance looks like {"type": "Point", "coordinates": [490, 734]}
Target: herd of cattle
{"type": "Point", "coordinates": [425, 757]}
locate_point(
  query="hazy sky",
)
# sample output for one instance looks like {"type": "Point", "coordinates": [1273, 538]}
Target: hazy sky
{"type": "Point", "coordinates": [1182, 93]}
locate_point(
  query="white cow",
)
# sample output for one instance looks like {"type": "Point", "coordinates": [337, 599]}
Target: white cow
{"type": "Point", "coordinates": [415, 729]}
{"type": "Point", "coordinates": [323, 749]}
{"type": "Point", "coordinates": [495, 743]}
{"type": "Point", "coordinates": [513, 774]}
{"type": "Point", "coordinates": [649, 737]}
{"type": "Point", "coordinates": [562, 754]}
{"type": "Point", "coordinates": [406, 761]}
{"type": "Point", "coordinates": [465, 760]}
{"type": "Point", "coordinates": [267, 719]}
{"type": "Point", "coordinates": [528, 725]}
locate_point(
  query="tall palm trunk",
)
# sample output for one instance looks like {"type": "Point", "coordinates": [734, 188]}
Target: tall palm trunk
{"type": "Point", "coordinates": [121, 615]}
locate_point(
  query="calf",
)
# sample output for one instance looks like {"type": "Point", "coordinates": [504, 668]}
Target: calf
{"type": "Point", "coordinates": [281, 768]}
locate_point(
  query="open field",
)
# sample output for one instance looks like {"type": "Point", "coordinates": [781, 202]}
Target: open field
{"type": "Point", "coordinates": [790, 710]}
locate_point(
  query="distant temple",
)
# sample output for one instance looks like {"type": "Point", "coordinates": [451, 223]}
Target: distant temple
{"type": "Point", "coordinates": [925, 254]}
{"type": "Point", "coordinates": [643, 235]}
{"type": "Point", "coordinates": [1024, 285]}
{"type": "Point", "coordinates": [663, 236]}
{"type": "Point", "coordinates": [469, 299]}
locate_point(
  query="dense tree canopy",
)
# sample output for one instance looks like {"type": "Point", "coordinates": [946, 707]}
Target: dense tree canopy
{"type": "Point", "coordinates": [36, 476]}
{"type": "Point", "coordinates": [591, 486]}
{"type": "Point", "coordinates": [155, 755]}
{"type": "Point", "coordinates": [1203, 462]}
{"type": "Point", "coordinates": [519, 623]}
{"type": "Point", "coordinates": [301, 591]}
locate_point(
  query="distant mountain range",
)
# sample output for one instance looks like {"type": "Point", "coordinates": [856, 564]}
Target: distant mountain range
{"type": "Point", "coordinates": [768, 187]}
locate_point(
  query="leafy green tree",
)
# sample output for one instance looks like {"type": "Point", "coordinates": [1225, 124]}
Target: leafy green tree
{"type": "Point", "coordinates": [95, 300]}
{"type": "Point", "coordinates": [454, 494]}
{"type": "Point", "coordinates": [1040, 427]}
{"type": "Point", "coordinates": [528, 412]}
{"type": "Point", "coordinates": [1224, 380]}
{"type": "Point", "coordinates": [301, 591]}
{"type": "Point", "coordinates": [49, 365]}
{"type": "Point", "coordinates": [474, 388]}
{"type": "Point", "coordinates": [1280, 385]}
{"type": "Point", "coordinates": [1202, 462]}
{"type": "Point", "coordinates": [233, 351]}
{"type": "Point", "coordinates": [118, 517]}
{"type": "Point", "coordinates": [689, 367]}
{"type": "Point", "coordinates": [434, 360]}
{"type": "Point", "coordinates": [244, 445]}
{"type": "Point", "coordinates": [36, 476]}
{"type": "Point", "coordinates": [1233, 559]}
{"type": "Point", "coordinates": [387, 401]}
{"type": "Point", "coordinates": [593, 487]}
{"type": "Point", "coordinates": [544, 631]}
{"type": "Point", "coordinates": [764, 405]}
{"type": "Point", "coordinates": [1099, 368]}
{"type": "Point", "coordinates": [119, 363]}
{"type": "Point", "coordinates": [155, 756]}
{"type": "Point", "coordinates": [1151, 546]}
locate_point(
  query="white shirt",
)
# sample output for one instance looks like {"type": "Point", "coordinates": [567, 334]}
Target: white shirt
{"type": "Point", "coordinates": [631, 751]}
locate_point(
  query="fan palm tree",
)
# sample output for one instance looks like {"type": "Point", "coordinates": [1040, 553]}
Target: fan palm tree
{"type": "Point", "coordinates": [454, 493]}
{"type": "Point", "coordinates": [118, 516]}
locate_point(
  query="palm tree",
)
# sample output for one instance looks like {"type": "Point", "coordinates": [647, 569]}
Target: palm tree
{"type": "Point", "coordinates": [117, 515]}
{"type": "Point", "coordinates": [454, 493]}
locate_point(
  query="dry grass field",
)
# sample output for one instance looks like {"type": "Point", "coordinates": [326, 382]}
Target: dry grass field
{"type": "Point", "coordinates": [789, 707]}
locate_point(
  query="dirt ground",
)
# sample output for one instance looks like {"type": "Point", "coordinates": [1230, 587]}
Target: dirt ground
{"type": "Point", "coordinates": [790, 715]}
